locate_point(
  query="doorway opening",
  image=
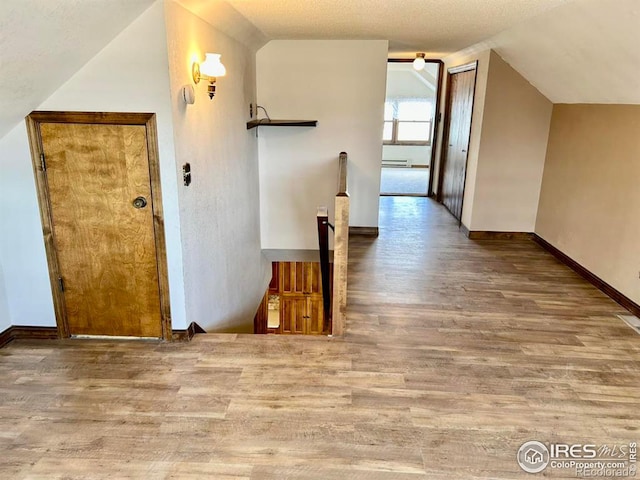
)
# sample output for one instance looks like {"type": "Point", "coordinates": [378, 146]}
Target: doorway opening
{"type": "Point", "coordinates": [410, 121]}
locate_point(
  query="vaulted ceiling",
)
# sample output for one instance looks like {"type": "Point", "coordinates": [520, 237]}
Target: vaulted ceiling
{"type": "Point", "coordinates": [44, 42]}
{"type": "Point", "coordinates": [438, 27]}
{"type": "Point", "coordinates": [585, 51]}
{"type": "Point", "coordinates": [571, 50]}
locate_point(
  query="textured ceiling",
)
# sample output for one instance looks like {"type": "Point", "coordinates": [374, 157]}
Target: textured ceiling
{"type": "Point", "coordinates": [226, 19]}
{"type": "Point", "coordinates": [435, 26]}
{"type": "Point", "coordinates": [44, 42]}
{"type": "Point", "coordinates": [571, 50]}
{"type": "Point", "coordinates": [586, 51]}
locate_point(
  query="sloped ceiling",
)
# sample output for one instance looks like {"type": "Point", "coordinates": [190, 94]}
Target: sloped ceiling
{"type": "Point", "coordinates": [571, 50]}
{"type": "Point", "coordinates": [438, 27]}
{"type": "Point", "coordinates": [44, 42]}
{"type": "Point", "coordinates": [586, 51]}
{"type": "Point", "coordinates": [228, 20]}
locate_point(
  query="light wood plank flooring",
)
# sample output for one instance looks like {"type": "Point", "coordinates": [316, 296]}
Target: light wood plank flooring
{"type": "Point", "coordinates": [457, 351]}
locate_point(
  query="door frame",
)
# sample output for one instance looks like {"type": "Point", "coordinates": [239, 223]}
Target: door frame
{"type": "Point", "coordinates": [148, 120]}
{"type": "Point", "coordinates": [447, 124]}
{"type": "Point", "coordinates": [436, 114]}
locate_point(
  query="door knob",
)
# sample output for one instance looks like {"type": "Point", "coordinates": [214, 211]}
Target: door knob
{"type": "Point", "coordinates": [140, 202]}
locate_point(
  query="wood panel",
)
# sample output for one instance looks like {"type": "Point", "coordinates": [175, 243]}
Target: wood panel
{"type": "Point", "coordinates": [340, 264]}
{"type": "Point", "coordinates": [364, 231]}
{"type": "Point", "coordinates": [460, 91]}
{"type": "Point", "coordinates": [274, 284]}
{"type": "Point", "coordinates": [300, 277]}
{"type": "Point", "coordinates": [300, 290]}
{"type": "Point", "coordinates": [134, 137]}
{"type": "Point", "coordinates": [314, 324]}
{"type": "Point", "coordinates": [293, 314]}
{"type": "Point", "coordinates": [483, 235]}
{"type": "Point", "coordinates": [261, 318]}
{"type": "Point", "coordinates": [188, 334]}
{"type": "Point", "coordinates": [26, 332]}
{"type": "Point", "coordinates": [105, 246]}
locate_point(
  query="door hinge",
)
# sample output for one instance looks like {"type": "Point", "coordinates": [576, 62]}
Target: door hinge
{"type": "Point", "coordinates": [61, 284]}
{"type": "Point", "coordinates": [43, 162]}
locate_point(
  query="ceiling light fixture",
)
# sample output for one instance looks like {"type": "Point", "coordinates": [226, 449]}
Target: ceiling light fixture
{"type": "Point", "coordinates": [209, 70]}
{"type": "Point", "coordinates": [419, 62]}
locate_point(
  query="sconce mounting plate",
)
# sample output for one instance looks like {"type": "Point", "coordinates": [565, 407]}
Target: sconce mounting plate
{"type": "Point", "coordinates": [195, 72]}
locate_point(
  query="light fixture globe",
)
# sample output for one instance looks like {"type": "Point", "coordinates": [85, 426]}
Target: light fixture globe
{"type": "Point", "coordinates": [212, 66]}
{"type": "Point", "coordinates": [419, 62]}
{"type": "Point", "coordinates": [209, 70]}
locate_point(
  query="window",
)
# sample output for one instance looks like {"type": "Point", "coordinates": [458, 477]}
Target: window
{"type": "Point", "coordinates": [407, 122]}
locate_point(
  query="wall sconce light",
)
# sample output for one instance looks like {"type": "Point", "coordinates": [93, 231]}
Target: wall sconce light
{"type": "Point", "coordinates": [419, 62]}
{"type": "Point", "coordinates": [209, 70]}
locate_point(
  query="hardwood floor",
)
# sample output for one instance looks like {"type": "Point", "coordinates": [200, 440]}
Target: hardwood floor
{"type": "Point", "coordinates": [457, 351]}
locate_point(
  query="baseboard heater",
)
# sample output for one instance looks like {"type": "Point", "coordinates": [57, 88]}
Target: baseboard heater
{"type": "Point", "coordinates": [400, 162]}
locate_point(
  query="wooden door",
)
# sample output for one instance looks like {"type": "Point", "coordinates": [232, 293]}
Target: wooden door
{"type": "Point", "coordinates": [99, 207]}
{"type": "Point", "coordinates": [300, 295]}
{"type": "Point", "coordinates": [301, 315]}
{"type": "Point", "coordinates": [315, 312]}
{"type": "Point", "coordinates": [293, 315]}
{"type": "Point", "coordinates": [460, 91]}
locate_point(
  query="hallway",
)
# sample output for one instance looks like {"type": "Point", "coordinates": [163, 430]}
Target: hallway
{"type": "Point", "coordinates": [404, 181]}
{"type": "Point", "coordinates": [457, 352]}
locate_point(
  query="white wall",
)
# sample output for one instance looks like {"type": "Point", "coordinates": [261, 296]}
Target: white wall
{"type": "Point", "coordinates": [513, 145]}
{"type": "Point", "coordinates": [407, 82]}
{"type": "Point", "coordinates": [131, 75]}
{"type": "Point", "coordinates": [342, 85]}
{"type": "Point", "coordinates": [5, 317]}
{"type": "Point", "coordinates": [419, 155]}
{"type": "Point", "coordinates": [225, 273]}
{"type": "Point", "coordinates": [580, 52]}
{"type": "Point", "coordinates": [22, 252]}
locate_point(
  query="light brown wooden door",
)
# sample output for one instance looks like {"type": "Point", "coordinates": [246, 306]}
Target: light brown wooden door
{"type": "Point", "coordinates": [301, 315]}
{"type": "Point", "coordinates": [301, 305]}
{"type": "Point", "coordinates": [458, 130]}
{"type": "Point", "coordinates": [293, 315]}
{"type": "Point", "coordinates": [103, 237]}
{"type": "Point", "coordinates": [315, 312]}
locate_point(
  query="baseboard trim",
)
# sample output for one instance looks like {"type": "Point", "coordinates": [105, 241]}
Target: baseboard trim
{"type": "Point", "coordinates": [188, 334]}
{"type": "Point", "coordinates": [5, 337]}
{"type": "Point", "coordinates": [364, 231]}
{"type": "Point", "coordinates": [419, 195]}
{"type": "Point", "coordinates": [51, 333]}
{"type": "Point", "coordinates": [480, 235]}
{"type": "Point", "coordinates": [596, 281]}
{"type": "Point", "coordinates": [29, 333]}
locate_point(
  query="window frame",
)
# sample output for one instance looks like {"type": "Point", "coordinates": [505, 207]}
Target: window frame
{"type": "Point", "coordinates": [395, 127]}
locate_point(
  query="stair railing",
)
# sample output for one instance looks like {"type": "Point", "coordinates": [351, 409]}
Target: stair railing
{"type": "Point", "coordinates": [335, 302]}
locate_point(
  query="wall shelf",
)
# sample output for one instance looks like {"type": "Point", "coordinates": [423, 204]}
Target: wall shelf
{"type": "Point", "coordinates": [265, 122]}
